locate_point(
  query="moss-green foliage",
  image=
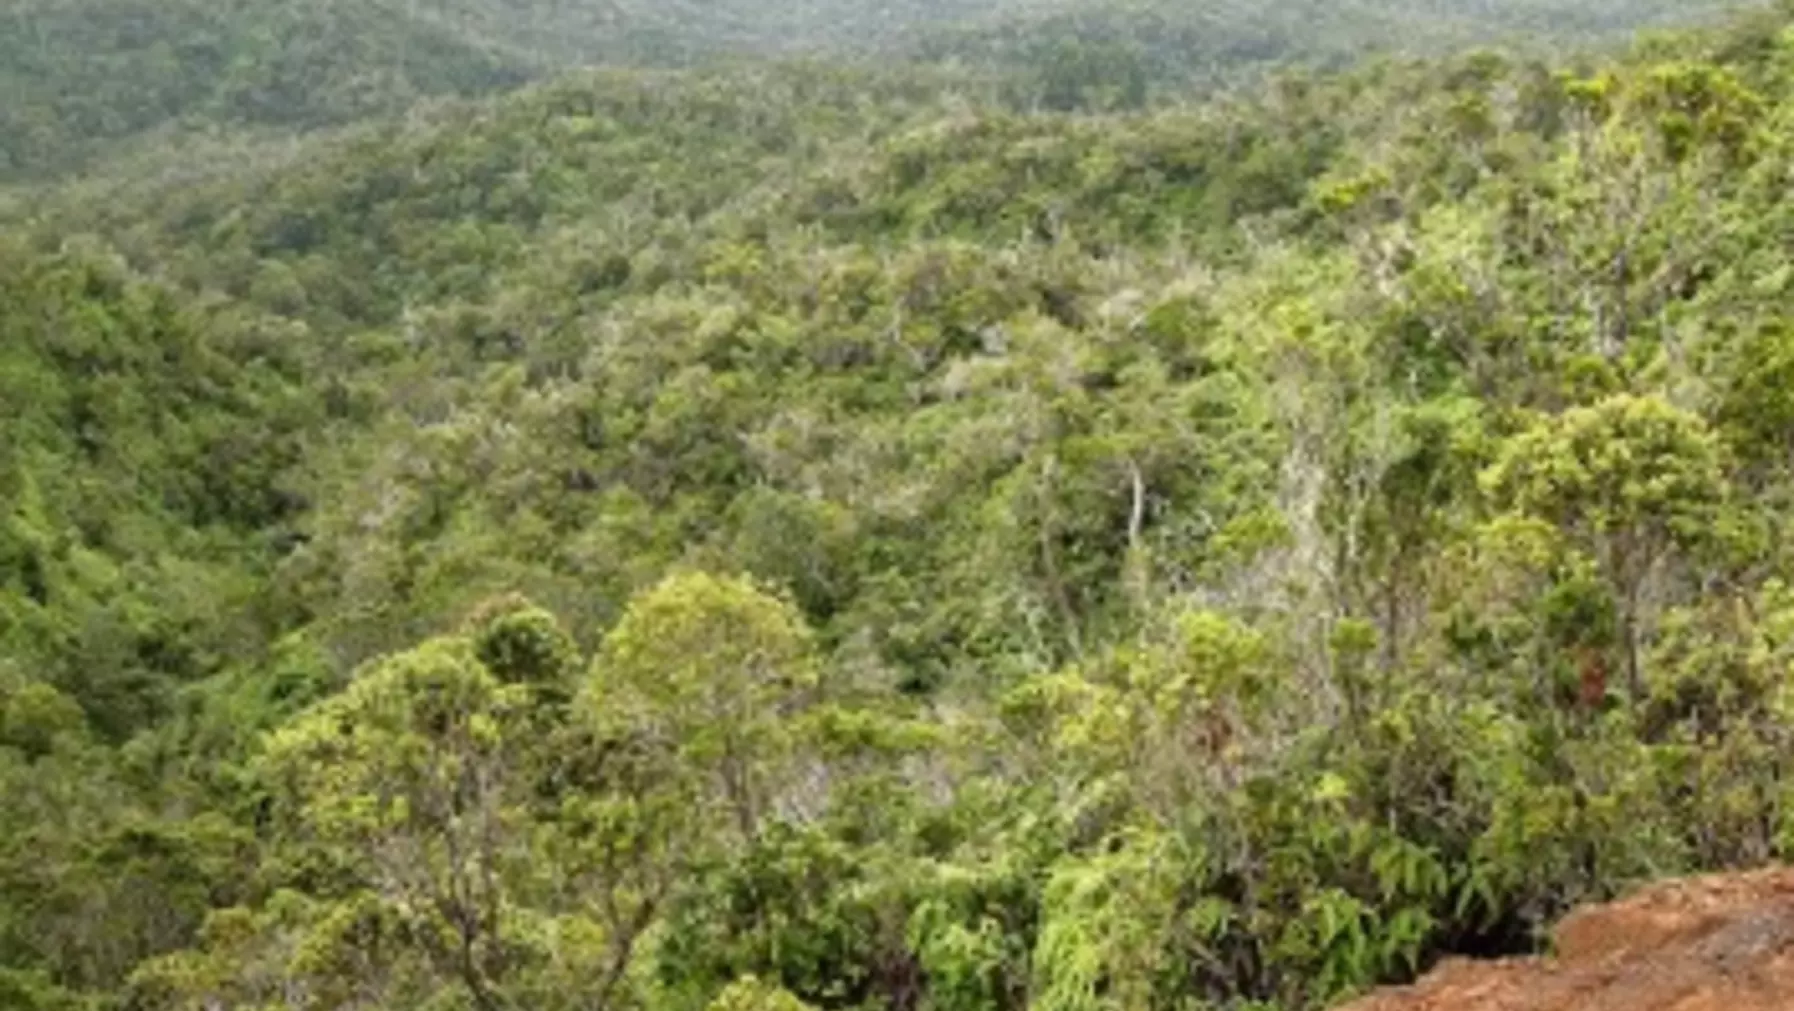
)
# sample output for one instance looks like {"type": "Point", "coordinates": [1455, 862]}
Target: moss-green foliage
{"type": "Point", "coordinates": [804, 537]}
{"type": "Point", "coordinates": [141, 482]}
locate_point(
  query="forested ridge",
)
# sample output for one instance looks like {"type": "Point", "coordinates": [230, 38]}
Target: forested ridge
{"type": "Point", "coordinates": [948, 534]}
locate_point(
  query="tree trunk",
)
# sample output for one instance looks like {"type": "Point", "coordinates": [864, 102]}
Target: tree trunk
{"type": "Point", "coordinates": [1629, 635]}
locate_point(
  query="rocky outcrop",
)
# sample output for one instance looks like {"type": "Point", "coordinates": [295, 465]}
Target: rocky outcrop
{"type": "Point", "coordinates": [1708, 944]}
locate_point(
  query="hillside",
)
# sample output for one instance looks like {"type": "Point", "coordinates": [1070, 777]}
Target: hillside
{"type": "Point", "coordinates": [781, 536]}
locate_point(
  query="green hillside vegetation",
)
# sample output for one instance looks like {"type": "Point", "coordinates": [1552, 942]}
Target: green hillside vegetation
{"type": "Point", "coordinates": [782, 537]}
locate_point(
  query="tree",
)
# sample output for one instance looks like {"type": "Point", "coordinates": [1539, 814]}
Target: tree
{"type": "Point", "coordinates": [711, 671]}
{"type": "Point", "coordinates": [750, 994]}
{"type": "Point", "coordinates": [523, 644]}
{"type": "Point", "coordinates": [408, 772]}
{"type": "Point", "coordinates": [1631, 478]}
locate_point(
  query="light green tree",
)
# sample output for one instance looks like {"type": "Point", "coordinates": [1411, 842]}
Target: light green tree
{"type": "Point", "coordinates": [408, 775]}
{"type": "Point", "coordinates": [1631, 479]}
{"type": "Point", "coordinates": [710, 671]}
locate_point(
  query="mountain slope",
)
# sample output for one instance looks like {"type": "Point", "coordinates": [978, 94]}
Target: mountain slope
{"type": "Point", "coordinates": [800, 537]}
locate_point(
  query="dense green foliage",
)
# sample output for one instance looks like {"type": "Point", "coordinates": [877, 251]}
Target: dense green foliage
{"type": "Point", "coordinates": [770, 538]}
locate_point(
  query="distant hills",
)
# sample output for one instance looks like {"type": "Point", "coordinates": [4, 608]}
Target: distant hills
{"type": "Point", "coordinates": [82, 75]}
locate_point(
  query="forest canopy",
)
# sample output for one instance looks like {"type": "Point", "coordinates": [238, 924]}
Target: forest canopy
{"type": "Point", "coordinates": [1033, 509]}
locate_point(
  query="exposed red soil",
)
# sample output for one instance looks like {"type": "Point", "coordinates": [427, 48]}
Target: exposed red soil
{"type": "Point", "coordinates": [1722, 943]}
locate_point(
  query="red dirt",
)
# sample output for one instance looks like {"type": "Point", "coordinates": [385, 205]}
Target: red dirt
{"type": "Point", "coordinates": [1709, 944]}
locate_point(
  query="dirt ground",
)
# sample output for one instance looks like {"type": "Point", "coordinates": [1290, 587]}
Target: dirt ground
{"type": "Point", "coordinates": [1708, 944]}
